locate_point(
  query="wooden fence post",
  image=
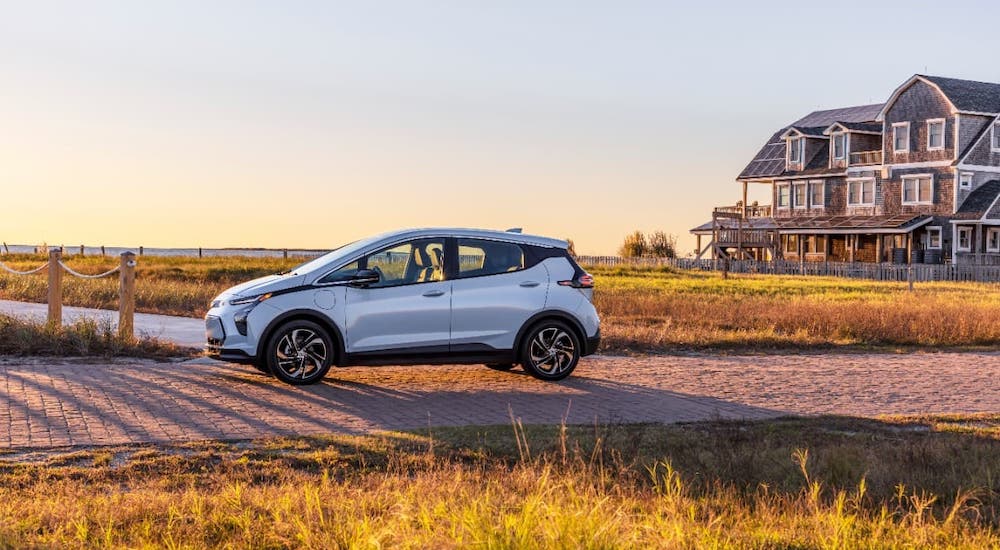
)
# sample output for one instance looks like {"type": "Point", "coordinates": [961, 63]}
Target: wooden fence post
{"type": "Point", "coordinates": [126, 297]}
{"type": "Point", "coordinates": [284, 254]}
{"type": "Point", "coordinates": [199, 252]}
{"type": "Point", "coordinates": [140, 251]}
{"type": "Point", "coordinates": [102, 251]}
{"type": "Point", "coordinates": [55, 288]}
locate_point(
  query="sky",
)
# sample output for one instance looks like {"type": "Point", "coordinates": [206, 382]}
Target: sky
{"type": "Point", "coordinates": [311, 124]}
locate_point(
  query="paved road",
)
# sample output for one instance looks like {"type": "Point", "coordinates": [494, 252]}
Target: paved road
{"type": "Point", "coordinates": [183, 331]}
{"type": "Point", "coordinates": [45, 403]}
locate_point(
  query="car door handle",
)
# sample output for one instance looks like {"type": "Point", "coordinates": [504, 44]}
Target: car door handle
{"type": "Point", "coordinates": [434, 293]}
{"type": "Point", "coordinates": [530, 284]}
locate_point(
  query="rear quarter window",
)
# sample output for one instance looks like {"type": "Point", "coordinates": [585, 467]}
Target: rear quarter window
{"type": "Point", "coordinates": [477, 257]}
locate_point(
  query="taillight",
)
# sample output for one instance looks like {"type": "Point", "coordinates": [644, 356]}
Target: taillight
{"type": "Point", "coordinates": [586, 280]}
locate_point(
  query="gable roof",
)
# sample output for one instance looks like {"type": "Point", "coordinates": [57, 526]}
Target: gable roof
{"type": "Point", "coordinates": [979, 201]}
{"type": "Point", "coordinates": [969, 95]}
{"type": "Point", "coordinates": [770, 160]}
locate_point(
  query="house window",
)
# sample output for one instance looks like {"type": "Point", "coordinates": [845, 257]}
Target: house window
{"type": "Point", "coordinates": [814, 244]}
{"type": "Point", "coordinates": [901, 137]}
{"type": "Point", "coordinates": [817, 194]}
{"type": "Point", "coordinates": [995, 137]}
{"type": "Point", "coordinates": [792, 243]}
{"type": "Point", "coordinates": [935, 134]}
{"type": "Point", "coordinates": [795, 146]}
{"type": "Point", "coordinates": [799, 195]}
{"type": "Point", "coordinates": [783, 196]}
{"type": "Point", "coordinates": [917, 190]}
{"type": "Point", "coordinates": [934, 238]}
{"type": "Point", "coordinates": [839, 146]}
{"type": "Point", "coordinates": [965, 181]}
{"type": "Point", "coordinates": [861, 192]}
{"type": "Point", "coordinates": [993, 239]}
{"type": "Point", "coordinates": [965, 239]}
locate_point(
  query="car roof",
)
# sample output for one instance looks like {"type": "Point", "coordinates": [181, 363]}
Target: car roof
{"type": "Point", "coordinates": [491, 234]}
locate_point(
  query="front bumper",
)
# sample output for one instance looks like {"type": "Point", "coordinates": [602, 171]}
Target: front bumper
{"type": "Point", "coordinates": [215, 335]}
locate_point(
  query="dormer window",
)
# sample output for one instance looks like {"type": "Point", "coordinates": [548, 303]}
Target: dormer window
{"type": "Point", "coordinates": [935, 134]}
{"type": "Point", "coordinates": [995, 138]}
{"type": "Point", "coordinates": [839, 146]}
{"type": "Point", "coordinates": [901, 137]}
{"type": "Point", "coordinates": [795, 150]}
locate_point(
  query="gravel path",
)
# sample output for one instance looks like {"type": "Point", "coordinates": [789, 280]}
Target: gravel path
{"type": "Point", "coordinates": [51, 403]}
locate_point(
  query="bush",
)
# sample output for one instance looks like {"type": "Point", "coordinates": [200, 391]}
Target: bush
{"type": "Point", "coordinates": [634, 246]}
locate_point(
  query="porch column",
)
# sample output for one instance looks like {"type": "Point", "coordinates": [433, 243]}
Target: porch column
{"type": "Point", "coordinates": [954, 243]}
{"type": "Point", "coordinates": [744, 199]}
{"type": "Point", "coordinates": [878, 248]}
{"type": "Point", "coordinates": [798, 239]}
{"type": "Point", "coordinates": [698, 237]}
{"type": "Point", "coordinates": [852, 241]}
{"type": "Point", "coordinates": [978, 247]}
{"type": "Point", "coordinates": [909, 247]}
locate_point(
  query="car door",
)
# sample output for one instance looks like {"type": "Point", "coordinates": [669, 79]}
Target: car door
{"type": "Point", "coordinates": [493, 294]}
{"type": "Point", "coordinates": [408, 310]}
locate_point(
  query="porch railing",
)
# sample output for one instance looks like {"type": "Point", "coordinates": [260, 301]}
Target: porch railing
{"type": "Point", "coordinates": [863, 158]}
{"type": "Point", "coordinates": [753, 211]}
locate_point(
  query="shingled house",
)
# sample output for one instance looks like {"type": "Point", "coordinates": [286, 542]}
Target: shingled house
{"type": "Point", "coordinates": [914, 179]}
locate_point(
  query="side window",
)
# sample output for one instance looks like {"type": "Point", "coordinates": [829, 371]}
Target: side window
{"type": "Point", "coordinates": [341, 274]}
{"type": "Point", "coordinates": [420, 261]}
{"type": "Point", "coordinates": [481, 257]}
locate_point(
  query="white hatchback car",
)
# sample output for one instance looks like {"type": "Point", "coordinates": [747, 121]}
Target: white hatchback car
{"type": "Point", "coordinates": [415, 296]}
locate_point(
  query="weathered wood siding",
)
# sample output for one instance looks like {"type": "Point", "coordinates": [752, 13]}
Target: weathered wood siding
{"type": "Point", "coordinates": [916, 105]}
{"type": "Point", "coordinates": [943, 179]}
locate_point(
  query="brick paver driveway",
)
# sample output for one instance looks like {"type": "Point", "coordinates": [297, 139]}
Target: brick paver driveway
{"type": "Point", "coordinates": [75, 403]}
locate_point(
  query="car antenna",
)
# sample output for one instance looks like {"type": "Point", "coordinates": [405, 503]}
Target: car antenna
{"type": "Point", "coordinates": [513, 230]}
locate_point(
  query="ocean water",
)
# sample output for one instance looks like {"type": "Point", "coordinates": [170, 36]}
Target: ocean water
{"type": "Point", "coordinates": [205, 252]}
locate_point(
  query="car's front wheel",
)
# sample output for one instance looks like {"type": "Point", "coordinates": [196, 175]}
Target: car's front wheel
{"type": "Point", "coordinates": [550, 351]}
{"type": "Point", "coordinates": [300, 352]}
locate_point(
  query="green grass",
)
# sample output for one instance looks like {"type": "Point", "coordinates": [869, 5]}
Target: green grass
{"type": "Point", "coordinates": [791, 483]}
{"type": "Point", "coordinates": [642, 309]}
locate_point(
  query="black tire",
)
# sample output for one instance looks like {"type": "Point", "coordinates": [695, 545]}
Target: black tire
{"type": "Point", "coordinates": [550, 350]}
{"type": "Point", "coordinates": [260, 364]}
{"type": "Point", "coordinates": [300, 352]}
{"type": "Point", "coordinates": [500, 366]}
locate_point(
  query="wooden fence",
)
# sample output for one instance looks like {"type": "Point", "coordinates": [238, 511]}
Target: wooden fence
{"type": "Point", "coordinates": [126, 288]}
{"type": "Point", "coordinates": [856, 270]}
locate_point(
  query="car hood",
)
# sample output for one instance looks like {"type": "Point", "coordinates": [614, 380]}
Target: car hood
{"type": "Point", "coordinates": [270, 283]}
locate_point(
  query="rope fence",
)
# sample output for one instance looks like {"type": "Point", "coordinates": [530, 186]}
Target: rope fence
{"type": "Point", "coordinates": [126, 288]}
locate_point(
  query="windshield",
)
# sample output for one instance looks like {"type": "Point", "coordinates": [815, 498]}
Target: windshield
{"type": "Point", "coordinates": [344, 251]}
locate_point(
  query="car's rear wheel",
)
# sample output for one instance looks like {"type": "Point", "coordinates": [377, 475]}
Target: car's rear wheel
{"type": "Point", "coordinates": [550, 351]}
{"type": "Point", "coordinates": [300, 352]}
{"type": "Point", "coordinates": [500, 366]}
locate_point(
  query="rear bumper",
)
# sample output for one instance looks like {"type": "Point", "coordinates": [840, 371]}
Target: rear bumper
{"type": "Point", "coordinates": [590, 347]}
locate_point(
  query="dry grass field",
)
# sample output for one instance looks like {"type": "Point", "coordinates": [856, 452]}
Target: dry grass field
{"type": "Point", "coordinates": [816, 483]}
{"type": "Point", "coordinates": [643, 309]}
{"type": "Point", "coordinates": [82, 338]}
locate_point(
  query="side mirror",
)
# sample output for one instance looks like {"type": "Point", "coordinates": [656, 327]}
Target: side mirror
{"type": "Point", "coordinates": [364, 277]}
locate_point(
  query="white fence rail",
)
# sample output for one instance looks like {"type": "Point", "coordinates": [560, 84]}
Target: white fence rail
{"type": "Point", "coordinates": [856, 270]}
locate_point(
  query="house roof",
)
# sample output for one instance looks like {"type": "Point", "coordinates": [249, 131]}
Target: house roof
{"type": "Point", "coordinates": [901, 222]}
{"type": "Point", "coordinates": [749, 223]}
{"type": "Point", "coordinates": [968, 95]}
{"type": "Point", "coordinates": [770, 160]}
{"type": "Point", "coordinates": [979, 201]}
{"type": "Point", "coordinates": [827, 224]}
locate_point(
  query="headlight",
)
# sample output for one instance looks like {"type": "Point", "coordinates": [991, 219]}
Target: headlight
{"type": "Point", "coordinates": [251, 300]}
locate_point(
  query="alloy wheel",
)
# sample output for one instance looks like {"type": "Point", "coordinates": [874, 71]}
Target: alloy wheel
{"type": "Point", "coordinates": [552, 351]}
